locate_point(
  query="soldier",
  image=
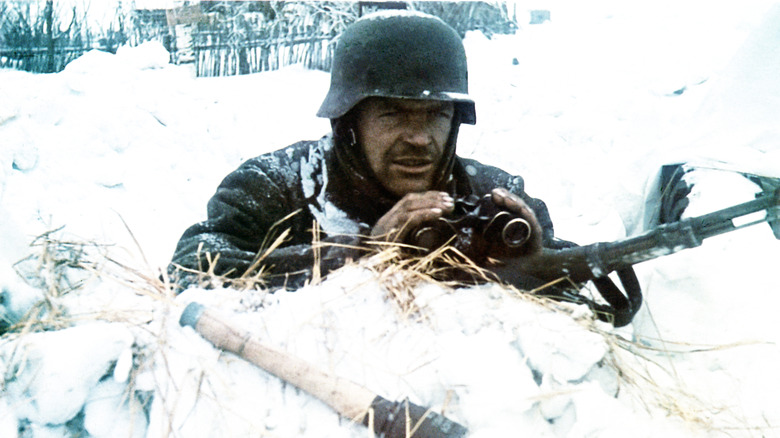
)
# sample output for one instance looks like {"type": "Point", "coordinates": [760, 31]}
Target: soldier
{"type": "Point", "coordinates": [398, 94]}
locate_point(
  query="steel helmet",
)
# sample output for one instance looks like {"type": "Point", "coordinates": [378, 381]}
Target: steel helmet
{"type": "Point", "coordinates": [399, 54]}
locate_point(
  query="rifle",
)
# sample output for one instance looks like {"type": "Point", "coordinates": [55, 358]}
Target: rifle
{"type": "Point", "coordinates": [596, 260]}
{"type": "Point", "coordinates": [471, 232]}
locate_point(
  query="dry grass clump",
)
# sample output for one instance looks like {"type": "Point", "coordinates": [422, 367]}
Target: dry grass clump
{"type": "Point", "coordinates": [648, 375]}
{"type": "Point", "coordinates": [59, 267]}
{"type": "Point", "coordinates": [401, 269]}
{"type": "Point", "coordinates": [56, 267]}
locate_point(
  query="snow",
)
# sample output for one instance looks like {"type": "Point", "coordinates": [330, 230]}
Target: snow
{"type": "Point", "coordinates": [58, 370]}
{"type": "Point", "coordinates": [124, 150]}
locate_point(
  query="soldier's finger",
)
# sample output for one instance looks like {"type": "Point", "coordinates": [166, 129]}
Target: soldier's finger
{"type": "Point", "coordinates": [427, 201]}
{"type": "Point", "coordinates": [514, 203]}
{"type": "Point", "coordinates": [510, 201]}
{"type": "Point", "coordinates": [414, 219]}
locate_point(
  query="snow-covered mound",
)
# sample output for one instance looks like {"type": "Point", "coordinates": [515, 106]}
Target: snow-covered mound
{"type": "Point", "coordinates": [104, 164]}
{"type": "Point", "coordinates": [488, 358]}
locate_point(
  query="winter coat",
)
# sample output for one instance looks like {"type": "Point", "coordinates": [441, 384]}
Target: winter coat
{"type": "Point", "coordinates": [295, 187]}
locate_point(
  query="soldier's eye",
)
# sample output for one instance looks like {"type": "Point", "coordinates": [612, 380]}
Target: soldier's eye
{"type": "Point", "coordinates": [389, 114]}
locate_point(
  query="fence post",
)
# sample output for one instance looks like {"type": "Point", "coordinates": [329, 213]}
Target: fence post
{"type": "Point", "coordinates": [49, 17]}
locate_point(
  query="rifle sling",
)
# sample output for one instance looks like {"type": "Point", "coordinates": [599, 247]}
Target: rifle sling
{"type": "Point", "coordinates": [621, 307]}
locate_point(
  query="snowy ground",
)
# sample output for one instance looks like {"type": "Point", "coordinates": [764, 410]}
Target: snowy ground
{"type": "Point", "coordinates": [124, 151]}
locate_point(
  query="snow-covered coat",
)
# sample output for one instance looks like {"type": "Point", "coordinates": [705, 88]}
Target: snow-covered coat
{"type": "Point", "coordinates": [298, 186]}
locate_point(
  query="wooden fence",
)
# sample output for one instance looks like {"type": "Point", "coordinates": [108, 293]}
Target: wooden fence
{"type": "Point", "coordinates": [36, 59]}
{"type": "Point", "coordinates": [219, 54]}
{"type": "Point", "coordinates": [214, 55]}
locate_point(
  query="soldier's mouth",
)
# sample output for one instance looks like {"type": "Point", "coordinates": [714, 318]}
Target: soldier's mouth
{"type": "Point", "coordinates": [413, 164]}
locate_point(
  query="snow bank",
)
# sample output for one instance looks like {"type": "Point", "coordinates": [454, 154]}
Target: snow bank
{"type": "Point", "coordinates": [54, 372]}
{"type": "Point", "coordinates": [489, 358]}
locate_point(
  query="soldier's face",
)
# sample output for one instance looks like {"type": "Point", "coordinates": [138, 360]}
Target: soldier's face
{"type": "Point", "coordinates": [403, 140]}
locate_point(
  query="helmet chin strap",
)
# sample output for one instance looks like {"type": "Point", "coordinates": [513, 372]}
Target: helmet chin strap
{"type": "Point", "coordinates": [348, 151]}
{"type": "Point", "coordinates": [444, 175]}
{"type": "Point", "coordinates": [353, 143]}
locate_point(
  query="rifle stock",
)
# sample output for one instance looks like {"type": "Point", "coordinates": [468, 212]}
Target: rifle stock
{"type": "Point", "coordinates": [597, 260]}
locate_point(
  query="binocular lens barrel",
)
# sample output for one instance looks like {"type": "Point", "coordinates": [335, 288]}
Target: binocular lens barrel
{"type": "Point", "coordinates": [516, 232]}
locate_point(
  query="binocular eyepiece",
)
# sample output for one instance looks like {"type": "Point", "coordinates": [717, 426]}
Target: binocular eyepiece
{"type": "Point", "coordinates": [474, 223]}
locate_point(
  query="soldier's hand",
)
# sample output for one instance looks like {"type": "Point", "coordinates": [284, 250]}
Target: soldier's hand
{"type": "Point", "coordinates": [509, 201]}
{"type": "Point", "coordinates": [411, 211]}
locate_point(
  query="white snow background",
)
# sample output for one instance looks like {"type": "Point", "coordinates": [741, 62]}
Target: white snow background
{"type": "Point", "coordinates": [124, 150]}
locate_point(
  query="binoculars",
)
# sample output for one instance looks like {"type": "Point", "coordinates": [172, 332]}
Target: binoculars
{"type": "Point", "coordinates": [477, 226]}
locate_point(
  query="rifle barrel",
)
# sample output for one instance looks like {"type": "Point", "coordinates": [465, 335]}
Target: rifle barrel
{"type": "Point", "coordinates": [597, 260]}
{"type": "Point", "coordinates": [677, 236]}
